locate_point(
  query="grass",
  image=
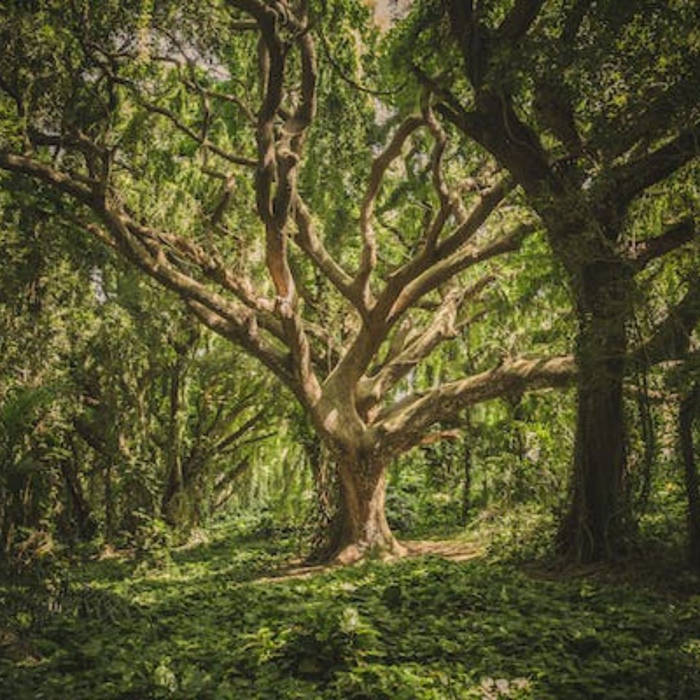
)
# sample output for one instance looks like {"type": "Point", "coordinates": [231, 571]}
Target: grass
{"type": "Point", "coordinates": [206, 622]}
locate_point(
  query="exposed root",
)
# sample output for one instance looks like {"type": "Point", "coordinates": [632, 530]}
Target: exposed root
{"type": "Point", "coordinates": [352, 554]}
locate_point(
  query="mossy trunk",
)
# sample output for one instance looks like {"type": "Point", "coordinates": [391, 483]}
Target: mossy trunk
{"type": "Point", "coordinates": [597, 523]}
{"type": "Point", "coordinates": [689, 412]}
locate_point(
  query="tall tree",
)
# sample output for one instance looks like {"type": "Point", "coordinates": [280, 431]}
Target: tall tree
{"type": "Point", "coordinates": [188, 138]}
{"type": "Point", "coordinates": [592, 109]}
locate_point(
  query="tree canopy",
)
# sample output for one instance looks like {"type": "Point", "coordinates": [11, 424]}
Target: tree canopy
{"type": "Point", "coordinates": [294, 284]}
{"type": "Point", "coordinates": [344, 206]}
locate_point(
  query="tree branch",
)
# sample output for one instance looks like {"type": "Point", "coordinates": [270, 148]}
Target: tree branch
{"type": "Point", "coordinates": [409, 349]}
{"type": "Point", "coordinates": [310, 242]}
{"type": "Point", "coordinates": [471, 37]}
{"type": "Point", "coordinates": [173, 119]}
{"type": "Point", "coordinates": [573, 21]}
{"type": "Point", "coordinates": [379, 167]}
{"type": "Point", "coordinates": [518, 20]}
{"type": "Point", "coordinates": [404, 424]}
{"type": "Point", "coordinates": [631, 179]}
{"type": "Point", "coordinates": [464, 257]}
{"type": "Point", "coordinates": [671, 338]}
{"type": "Point", "coordinates": [675, 236]}
{"type": "Point", "coordinates": [143, 248]}
{"type": "Point", "coordinates": [433, 259]}
{"type": "Point", "coordinates": [249, 341]}
{"type": "Point", "coordinates": [60, 181]}
{"type": "Point", "coordinates": [240, 431]}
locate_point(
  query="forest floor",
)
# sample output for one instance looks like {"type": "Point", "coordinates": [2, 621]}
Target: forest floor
{"type": "Point", "coordinates": [230, 618]}
{"type": "Point", "coordinates": [453, 550]}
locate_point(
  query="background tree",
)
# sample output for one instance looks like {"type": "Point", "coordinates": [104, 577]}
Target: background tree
{"type": "Point", "coordinates": [194, 134]}
{"type": "Point", "coordinates": [592, 109]}
{"type": "Point", "coordinates": [116, 410]}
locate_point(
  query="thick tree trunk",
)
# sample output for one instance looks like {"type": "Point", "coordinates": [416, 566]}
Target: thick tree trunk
{"type": "Point", "coordinates": [327, 522]}
{"type": "Point", "coordinates": [597, 523]}
{"type": "Point", "coordinates": [362, 529]}
{"type": "Point", "coordinates": [689, 411]}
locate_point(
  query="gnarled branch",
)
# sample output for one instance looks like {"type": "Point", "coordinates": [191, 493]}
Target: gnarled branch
{"type": "Point", "coordinates": [631, 179]}
{"type": "Point", "coordinates": [403, 425]}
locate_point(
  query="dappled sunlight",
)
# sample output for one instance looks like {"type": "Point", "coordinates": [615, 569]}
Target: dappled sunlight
{"type": "Point", "coordinates": [443, 620]}
{"type": "Point", "coordinates": [349, 349]}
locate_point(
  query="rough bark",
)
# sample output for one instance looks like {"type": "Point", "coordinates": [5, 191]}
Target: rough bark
{"type": "Point", "coordinates": [597, 522]}
{"type": "Point", "coordinates": [688, 414]}
{"type": "Point", "coordinates": [363, 529]}
{"type": "Point", "coordinates": [326, 514]}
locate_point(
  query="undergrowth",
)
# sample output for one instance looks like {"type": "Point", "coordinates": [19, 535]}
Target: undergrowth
{"type": "Point", "coordinates": [202, 622]}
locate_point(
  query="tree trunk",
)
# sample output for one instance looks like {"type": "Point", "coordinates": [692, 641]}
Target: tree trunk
{"type": "Point", "coordinates": [689, 410]}
{"type": "Point", "coordinates": [326, 516]}
{"type": "Point", "coordinates": [467, 473]}
{"type": "Point", "coordinates": [597, 523]}
{"type": "Point", "coordinates": [84, 521]}
{"type": "Point", "coordinates": [174, 488]}
{"type": "Point", "coordinates": [362, 526]}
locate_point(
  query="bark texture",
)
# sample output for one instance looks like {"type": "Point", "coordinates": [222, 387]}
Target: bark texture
{"type": "Point", "coordinates": [363, 529]}
{"type": "Point", "coordinates": [597, 522]}
{"type": "Point", "coordinates": [688, 414]}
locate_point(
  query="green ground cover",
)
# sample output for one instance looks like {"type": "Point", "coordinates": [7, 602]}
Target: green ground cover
{"type": "Point", "coordinates": [207, 622]}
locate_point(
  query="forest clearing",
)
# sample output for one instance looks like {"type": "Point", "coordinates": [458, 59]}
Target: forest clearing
{"type": "Point", "coordinates": [225, 619]}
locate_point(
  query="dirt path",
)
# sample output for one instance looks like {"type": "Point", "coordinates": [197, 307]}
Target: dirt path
{"type": "Point", "coordinates": [447, 549]}
{"type": "Point", "coordinates": [453, 550]}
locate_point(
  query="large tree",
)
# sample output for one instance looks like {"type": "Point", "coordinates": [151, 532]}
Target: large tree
{"type": "Point", "coordinates": [592, 109]}
{"type": "Point", "coordinates": [340, 246]}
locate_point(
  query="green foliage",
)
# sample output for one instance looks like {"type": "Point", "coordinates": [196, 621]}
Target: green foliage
{"type": "Point", "coordinates": [423, 628]}
{"type": "Point", "coordinates": [124, 425]}
{"type": "Point", "coordinates": [106, 388]}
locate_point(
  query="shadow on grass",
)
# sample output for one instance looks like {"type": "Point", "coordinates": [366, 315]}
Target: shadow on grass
{"type": "Point", "coordinates": [423, 627]}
